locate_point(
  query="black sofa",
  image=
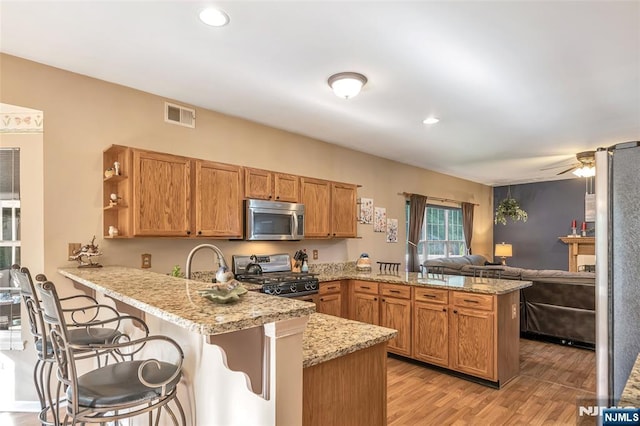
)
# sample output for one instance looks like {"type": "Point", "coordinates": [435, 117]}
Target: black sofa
{"type": "Point", "coordinates": [559, 305]}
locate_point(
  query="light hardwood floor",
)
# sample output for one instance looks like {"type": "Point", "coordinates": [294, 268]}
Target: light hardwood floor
{"type": "Point", "coordinates": [552, 378]}
{"type": "Point", "coordinates": [547, 391]}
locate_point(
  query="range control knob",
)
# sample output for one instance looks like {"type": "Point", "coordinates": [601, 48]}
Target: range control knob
{"type": "Point", "coordinates": [293, 288]}
{"type": "Point", "coordinates": [278, 290]}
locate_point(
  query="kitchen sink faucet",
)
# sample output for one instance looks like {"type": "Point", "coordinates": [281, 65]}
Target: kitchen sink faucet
{"type": "Point", "coordinates": [221, 262]}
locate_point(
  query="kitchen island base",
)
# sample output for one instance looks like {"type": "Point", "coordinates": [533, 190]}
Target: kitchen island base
{"type": "Point", "coordinates": [349, 390]}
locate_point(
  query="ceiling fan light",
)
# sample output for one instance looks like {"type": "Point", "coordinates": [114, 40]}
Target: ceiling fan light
{"type": "Point", "coordinates": [585, 171]}
{"type": "Point", "coordinates": [347, 84]}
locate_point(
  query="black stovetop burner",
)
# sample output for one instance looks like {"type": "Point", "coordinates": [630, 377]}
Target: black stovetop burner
{"type": "Point", "coordinates": [278, 279]}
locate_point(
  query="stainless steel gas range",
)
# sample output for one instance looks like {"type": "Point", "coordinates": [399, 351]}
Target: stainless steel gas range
{"type": "Point", "coordinates": [273, 272]}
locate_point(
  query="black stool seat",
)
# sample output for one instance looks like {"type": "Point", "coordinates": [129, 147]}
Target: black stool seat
{"type": "Point", "coordinates": [118, 384]}
{"type": "Point", "coordinates": [82, 336]}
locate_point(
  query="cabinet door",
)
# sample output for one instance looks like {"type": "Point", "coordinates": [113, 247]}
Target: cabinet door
{"type": "Point", "coordinates": [431, 333]}
{"type": "Point", "coordinates": [343, 210]}
{"type": "Point", "coordinates": [315, 194]}
{"type": "Point", "coordinates": [330, 304]}
{"type": "Point", "coordinates": [472, 342]}
{"type": "Point", "coordinates": [218, 196]}
{"type": "Point", "coordinates": [258, 184]}
{"type": "Point", "coordinates": [286, 187]}
{"type": "Point", "coordinates": [366, 308]}
{"type": "Point", "coordinates": [161, 194]}
{"type": "Point", "coordinates": [396, 314]}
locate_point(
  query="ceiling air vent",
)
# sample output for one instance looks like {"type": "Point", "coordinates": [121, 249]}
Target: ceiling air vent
{"type": "Point", "coordinates": [180, 115]}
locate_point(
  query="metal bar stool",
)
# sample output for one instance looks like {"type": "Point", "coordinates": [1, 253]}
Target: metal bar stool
{"type": "Point", "coordinates": [85, 329]}
{"type": "Point", "coordinates": [488, 272]}
{"type": "Point", "coordinates": [392, 267]}
{"type": "Point", "coordinates": [115, 391]}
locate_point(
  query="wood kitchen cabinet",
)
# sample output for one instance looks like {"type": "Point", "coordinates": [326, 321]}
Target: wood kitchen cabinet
{"type": "Point", "coordinates": [472, 333]}
{"type": "Point", "coordinates": [165, 195]}
{"type": "Point", "coordinates": [176, 196]}
{"type": "Point", "coordinates": [431, 326]}
{"type": "Point", "coordinates": [161, 194]}
{"type": "Point", "coordinates": [218, 200]}
{"type": "Point", "coordinates": [343, 210]}
{"type": "Point", "coordinates": [395, 312]}
{"type": "Point", "coordinates": [330, 208]}
{"type": "Point", "coordinates": [315, 194]}
{"type": "Point", "coordinates": [267, 185]}
{"type": "Point", "coordinates": [330, 298]}
{"type": "Point", "coordinates": [364, 303]}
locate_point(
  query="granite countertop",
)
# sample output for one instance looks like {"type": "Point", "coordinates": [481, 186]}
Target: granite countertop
{"type": "Point", "coordinates": [450, 282]}
{"type": "Point", "coordinates": [176, 300]}
{"type": "Point", "coordinates": [631, 393]}
{"type": "Point", "coordinates": [327, 337]}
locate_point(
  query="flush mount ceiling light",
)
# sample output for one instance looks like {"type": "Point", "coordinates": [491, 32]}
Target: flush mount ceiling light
{"type": "Point", "coordinates": [214, 17]}
{"type": "Point", "coordinates": [347, 84]}
{"type": "Point", "coordinates": [431, 120]}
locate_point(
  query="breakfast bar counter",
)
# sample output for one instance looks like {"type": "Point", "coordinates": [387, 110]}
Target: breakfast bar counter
{"type": "Point", "coordinates": [236, 353]}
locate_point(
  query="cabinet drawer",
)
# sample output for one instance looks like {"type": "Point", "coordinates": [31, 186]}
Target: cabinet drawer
{"type": "Point", "coordinates": [399, 291]}
{"type": "Point", "coordinates": [473, 300]}
{"type": "Point", "coordinates": [329, 287]}
{"type": "Point", "coordinates": [365, 287]}
{"type": "Point", "coordinates": [431, 295]}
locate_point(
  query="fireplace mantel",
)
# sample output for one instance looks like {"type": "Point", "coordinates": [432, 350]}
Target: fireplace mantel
{"type": "Point", "coordinates": [578, 245]}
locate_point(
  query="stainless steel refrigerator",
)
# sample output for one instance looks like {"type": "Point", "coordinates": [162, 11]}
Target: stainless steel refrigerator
{"type": "Point", "coordinates": [617, 267]}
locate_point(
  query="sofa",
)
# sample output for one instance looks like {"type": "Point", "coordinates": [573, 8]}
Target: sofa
{"type": "Point", "coordinates": [559, 305]}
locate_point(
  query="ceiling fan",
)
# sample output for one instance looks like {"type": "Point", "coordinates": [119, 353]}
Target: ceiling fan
{"type": "Point", "coordinates": [584, 167]}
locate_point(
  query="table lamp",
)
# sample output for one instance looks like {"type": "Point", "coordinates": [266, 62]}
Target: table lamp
{"type": "Point", "coordinates": [503, 251]}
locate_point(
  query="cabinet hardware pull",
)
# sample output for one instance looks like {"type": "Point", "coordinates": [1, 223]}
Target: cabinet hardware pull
{"type": "Point", "coordinates": [366, 288]}
{"type": "Point", "coordinates": [322, 299]}
{"type": "Point", "coordinates": [471, 301]}
{"type": "Point", "coordinates": [444, 309]}
{"type": "Point", "coordinates": [188, 232]}
{"type": "Point", "coordinates": [430, 296]}
{"type": "Point", "coordinates": [394, 291]}
{"type": "Point", "coordinates": [199, 232]}
{"type": "Point", "coordinates": [331, 288]}
{"type": "Point", "coordinates": [455, 312]}
{"type": "Point", "coordinates": [375, 298]}
{"type": "Point", "coordinates": [278, 197]}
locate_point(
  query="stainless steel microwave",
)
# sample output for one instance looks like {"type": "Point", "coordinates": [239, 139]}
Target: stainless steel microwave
{"type": "Point", "coordinates": [273, 221]}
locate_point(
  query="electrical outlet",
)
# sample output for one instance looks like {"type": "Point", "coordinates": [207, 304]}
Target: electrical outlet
{"type": "Point", "coordinates": [514, 311]}
{"type": "Point", "coordinates": [146, 260]}
{"type": "Point", "coordinates": [73, 247]}
{"type": "Point", "coordinates": [315, 255]}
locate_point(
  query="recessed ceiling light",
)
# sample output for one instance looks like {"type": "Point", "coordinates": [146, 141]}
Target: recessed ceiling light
{"type": "Point", "coordinates": [214, 17]}
{"type": "Point", "coordinates": [431, 120]}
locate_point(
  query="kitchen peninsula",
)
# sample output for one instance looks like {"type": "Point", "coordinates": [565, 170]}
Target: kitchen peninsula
{"type": "Point", "coordinates": [468, 325]}
{"type": "Point", "coordinates": [244, 361]}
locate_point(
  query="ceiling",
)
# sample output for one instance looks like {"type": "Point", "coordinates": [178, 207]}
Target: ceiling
{"type": "Point", "coordinates": [518, 86]}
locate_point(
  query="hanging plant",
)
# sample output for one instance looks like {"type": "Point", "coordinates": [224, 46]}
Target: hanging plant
{"type": "Point", "coordinates": [509, 208]}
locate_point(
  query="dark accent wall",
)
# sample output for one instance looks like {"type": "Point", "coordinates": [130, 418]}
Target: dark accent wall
{"type": "Point", "coordinates": [551, 207]}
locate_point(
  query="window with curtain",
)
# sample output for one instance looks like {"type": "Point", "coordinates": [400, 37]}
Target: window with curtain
{"type": "Point", "coordinates": [9, 236]}
{"type": "Point", "coordinates": [443, 234]}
